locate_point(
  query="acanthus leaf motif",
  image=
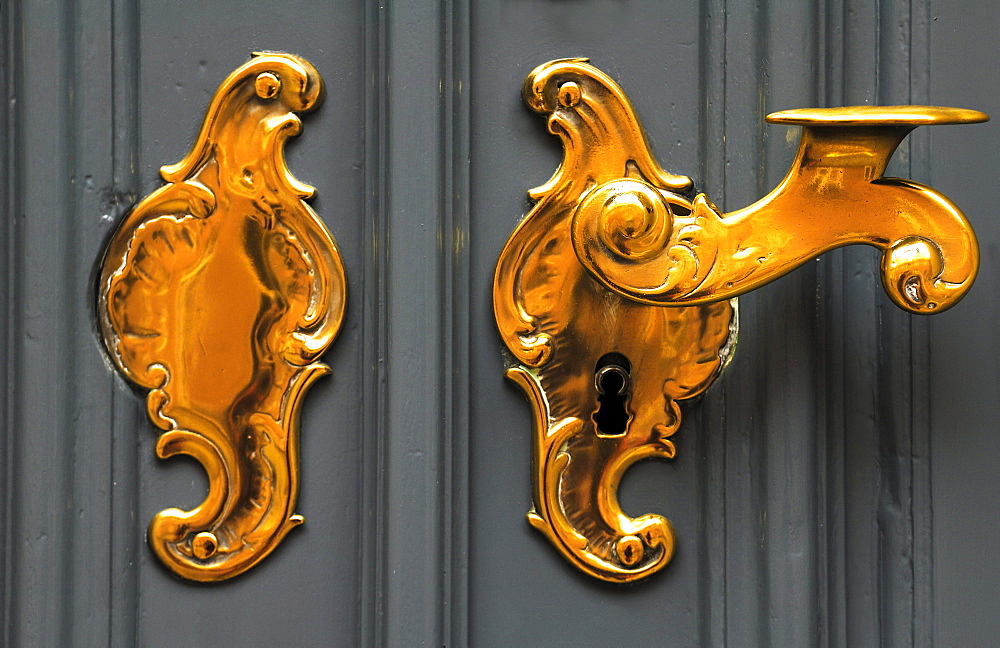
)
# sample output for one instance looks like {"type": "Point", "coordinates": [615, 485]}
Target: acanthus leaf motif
{"type": "Point", "coordinates": [615, 264]}
{"type": "Point", "coordinates": [218, 293]}
{"type": "Point", "coordinates": [564, 327]}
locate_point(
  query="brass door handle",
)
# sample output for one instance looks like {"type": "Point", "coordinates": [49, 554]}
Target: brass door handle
{"type": "Point", "coordinates": [218, 293]}
{"type": "Point", "coordinates": [616, 281]}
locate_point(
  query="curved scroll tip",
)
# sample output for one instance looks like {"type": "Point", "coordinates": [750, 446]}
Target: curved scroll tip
{"type": "Point", "coordinates": [204, 560]}
{"type": "Point", "coordinates": [632, 556]}
{"type": "Point", "coordinates": [601, 133]}
{"type": "Point", "coordinates": [911, 276]}
{"type": "Point", "coordinates": [533, 90]}
{"type": "Point", "coordinates": [284, 82]}
{"type": "Point", "coordinates": [630, 550]}
{"type": "Point", "coordinates": [309, 88]}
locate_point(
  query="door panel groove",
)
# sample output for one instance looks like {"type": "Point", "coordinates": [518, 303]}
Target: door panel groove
{"type": "Point", "coordinates": [372, 581]}
{"type": "Point", "coordinates": [834, 487]}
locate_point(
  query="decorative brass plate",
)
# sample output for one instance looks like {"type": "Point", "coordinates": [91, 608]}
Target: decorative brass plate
{"type": "Point", "coordinates": [218, 293]}
{"type": "Point", "coordinates": [613, 294]}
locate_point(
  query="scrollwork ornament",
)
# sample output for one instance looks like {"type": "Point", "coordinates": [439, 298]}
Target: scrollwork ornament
{"type": "Point", "coordinates": [218, 293]}
{"type": "Point", "coordinates": [616, 273]}
{"type": "Point", "coordinates": [564, 327]}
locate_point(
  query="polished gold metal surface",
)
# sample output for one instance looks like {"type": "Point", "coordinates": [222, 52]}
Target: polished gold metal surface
{"type": "Point", "coordinates": [573, 339]}
{"type": "Point", "coordinates": [218, 293]}
{"type": "Point", "coordinates": [615, 293]}
{"type": "Point", "coordinates": [833, 195]}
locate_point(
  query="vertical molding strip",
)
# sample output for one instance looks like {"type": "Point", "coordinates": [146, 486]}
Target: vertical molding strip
{"type": "Point", "coordinates": [373, 573]}
{"type": "Point", "coordinates": [455, 321]}
{"type": "Point", "coordinates": [10, 81]}
{"type": "Point", "coordinates": [790, 333]}
{"type": "Point", "coordinates": [827, 488]}
{"type": "Point", "coordinates": [89, 432]}
{"type": "Point", "coordinates": [831, 567]}
{"type": "Point", "coordinates": [419, 593]}
{"type": "Point", "coordinates": [70, 485]}
{"type": "Point", "coordinates": [41, 456]}
{"type": "Point", "coordinates": [746, 409]}
{"type": "Point", "coordinates": [412, 438]}
{"type": "Point", "coordinates": [920, 345]}
{"type": "Point", "coordinates": [711, 420]}
{"type": "Point", "coordinates": [128, 417]}
{"type": "Point", "coordinates": [878, 561]}
{"type": "Point", "coordinates": [895, 423]}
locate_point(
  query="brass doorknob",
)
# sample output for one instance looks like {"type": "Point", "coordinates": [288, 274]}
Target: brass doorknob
{"type": "Point", "coordinates": [617, 272]}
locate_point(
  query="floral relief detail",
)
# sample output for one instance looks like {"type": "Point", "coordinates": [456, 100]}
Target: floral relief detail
{"type": "Point", "coordinates": [218, 294]}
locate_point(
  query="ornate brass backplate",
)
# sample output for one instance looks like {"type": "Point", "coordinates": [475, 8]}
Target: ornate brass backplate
{"type": "Point", "coordinates": [615, 293]}
{"type": "Point", "coordinates": [218, 293]}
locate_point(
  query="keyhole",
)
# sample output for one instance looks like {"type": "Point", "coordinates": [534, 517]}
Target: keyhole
{"type": "Point", "coordinates": [612, 382]}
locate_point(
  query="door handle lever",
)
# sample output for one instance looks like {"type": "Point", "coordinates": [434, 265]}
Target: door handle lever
{"type": "Point", "coordinates": [616, 261]}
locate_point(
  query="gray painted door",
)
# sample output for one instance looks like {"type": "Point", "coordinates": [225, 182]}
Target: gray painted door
{"type": "Point", "coordinates": [835, 487]}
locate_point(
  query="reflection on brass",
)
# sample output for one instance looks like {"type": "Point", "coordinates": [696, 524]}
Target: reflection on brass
{"type": "Point", "coordinates": [218, 293]}
{"type": "Point", "coordinates": [615, 294]}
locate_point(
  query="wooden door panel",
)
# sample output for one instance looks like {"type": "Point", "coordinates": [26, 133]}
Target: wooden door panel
{"type": "Point", "coordinates": [834, 487]}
